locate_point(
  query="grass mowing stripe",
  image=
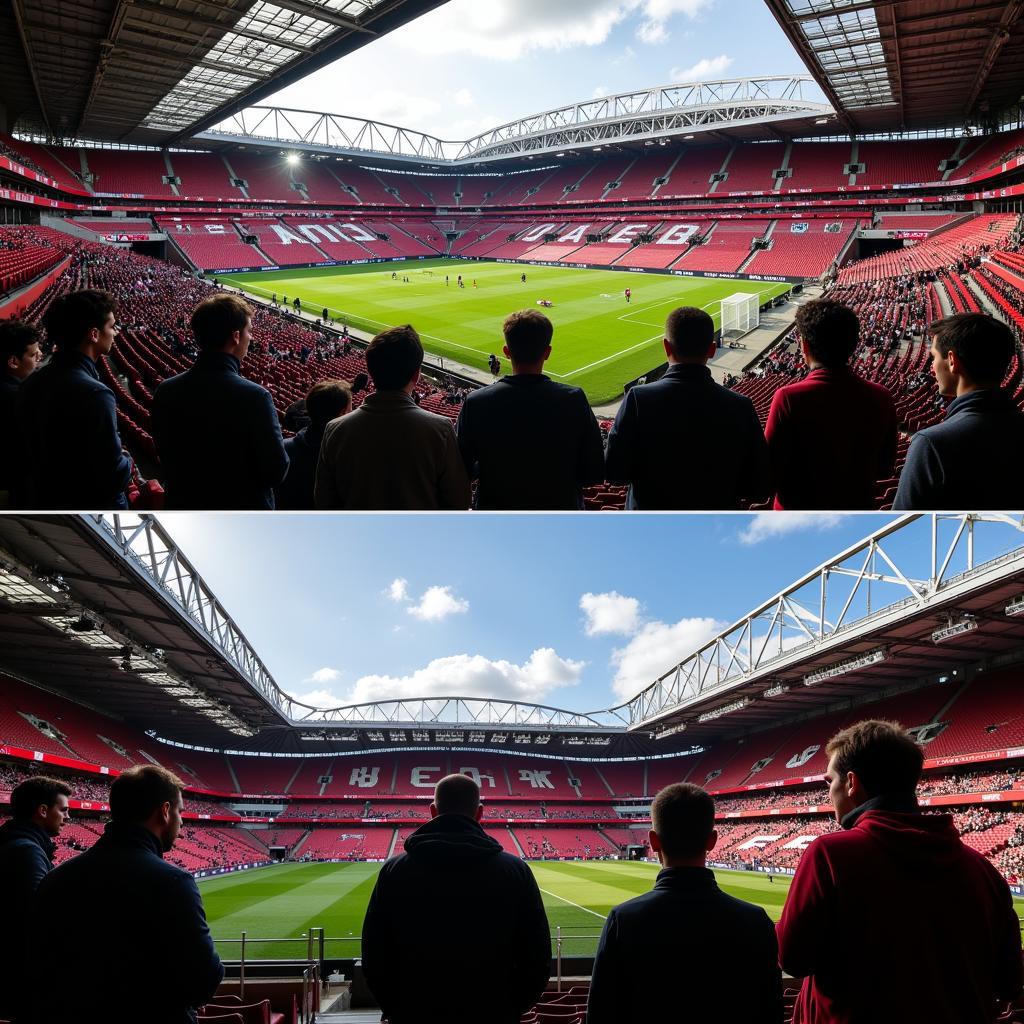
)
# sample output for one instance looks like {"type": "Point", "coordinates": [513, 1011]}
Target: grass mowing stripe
{"type": "Point", "coordinates": [586, 910]}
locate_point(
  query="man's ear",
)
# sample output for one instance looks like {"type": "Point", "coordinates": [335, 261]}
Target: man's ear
{"type": "Point", "coordinates": [956, 366]}
{"type": "Point", "coordinates": [654, 840]}
{"type": "Point", "coordinates": [508, 355]}
{"type": "Point", "coordinates": [668, 347]}
{"type": "Point", "coordinates": [433, 810]}
{"type": "Point", "coordinates": [479, 811]}
{"type": "Point", "coordinates": [712, 840]}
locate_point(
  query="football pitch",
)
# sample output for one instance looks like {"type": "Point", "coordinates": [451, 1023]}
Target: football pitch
{"type": "Point", "coordinates": [600, 344]}
{"type": "Point", "coordinates": [284, 901]}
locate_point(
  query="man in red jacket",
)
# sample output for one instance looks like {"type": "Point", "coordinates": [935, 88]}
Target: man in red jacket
{"type": "Point", "coordinates": [894, 920]}
{"type": "Point", "coordinates": [831, 436]}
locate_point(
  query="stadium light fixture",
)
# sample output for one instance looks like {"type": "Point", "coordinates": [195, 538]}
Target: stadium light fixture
{"type": "Point", "coordinates": [725, 709]}
{"type": "Point", "coordinates": [954, 627]}
{"type": "Point", "coordinates": [672, 730]}
{"type": "Point", "coordinates": [776, 691]}
{"type": "Point", "coordinates": [1015, 607]}
{"type": "Point", "coordinates": [16, 590]}
{"type": "Point", "coordinates": [841, 668]}
{"type": "Point", "coordinates": [293, 158]}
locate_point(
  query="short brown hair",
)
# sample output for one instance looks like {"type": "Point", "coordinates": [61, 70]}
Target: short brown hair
{"type": "Point", "coordinates": [457, 794]}
{"type": "Point", "coordinates": [138, 792]}
{"type": "Point", "coordinates": [16, 338]}
{"type": "Point", "coordinates": [883, 755]}
{"type": "Point", "coordinates": [830, 330]}
{"type": "Point", "coordinates": [690, 332]}
{"type": "Point", "coordinates": [683, 816]}
{"type": "Point", "coordinates": [985, 345]}
{"type": "Point", "coordinates": [393, 357]}
{"type": "Point", "coordinates": [27, 796]}
{"type": "Point", "coordinates": [71, 317]}
{"type": "Point", "coordinates": [527, 334]}
{"type": "Point", "coordinates": [327, 400]}
{"type": "Point", "coordinates": [215, 319]}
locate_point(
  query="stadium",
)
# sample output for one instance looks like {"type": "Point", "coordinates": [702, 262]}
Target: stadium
{"type": "Point", "coordinates": [115, 651]}
{"type": "Point", "coordinates": [898, 190]}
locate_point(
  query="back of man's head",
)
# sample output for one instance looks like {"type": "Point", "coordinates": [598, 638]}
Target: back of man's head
{"type": "Point", "coordinates": [883, 756]}
{"type": "Point", "coordinates": [35, 792]}
{"type": "Point", "coordinates": [457, 794]}
{"type": "Point", "coordinates": [327, 400]}
{"type": "Point", "coordinates": [690, 332]}
{"type": "Point", "coordinates": [217, 318]}
{"type": "Point", "coordinates": [137, 794]}
{"type": "Point", "coordinates": [71, 317]}
{"type": "Point", "coordinates": [830, 331]}
{"type": "Point", "coordinates": [528, 335]}
{"type": "Point", "coordinates": [16, 338]}
{"type": "Point", "coordinates": [983, 344]}
{"type": "Point", "coordinates": [683, 817]}
{"type": "Point", "coordinates": [394, 357]}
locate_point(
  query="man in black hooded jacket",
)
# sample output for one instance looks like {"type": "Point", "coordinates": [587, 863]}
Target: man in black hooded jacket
{"type": "Point", "coordinates": [40, 810]}
{"type": "Point", "coordinates": [455, 930]}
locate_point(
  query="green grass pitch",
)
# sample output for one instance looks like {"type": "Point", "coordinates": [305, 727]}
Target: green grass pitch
{"type": "Point", "coordinates": [600, 344]}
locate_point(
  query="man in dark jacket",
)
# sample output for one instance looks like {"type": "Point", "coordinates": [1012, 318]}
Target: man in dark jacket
{"type": "Point", "coordinates": [19, 357]}
{"type": "Point", "coordinates": [686, 952]}
{"type": "Point", "coordinates": [326, 401]}
{"type": "Point", "coordinates": [68, 416]}
{"type": "Point", "coordinates": [831, 436]}
{"type": "Point", "coordinates": [970, 461]}
{"type": "Point", "coordinates": [455, 930]}
{"type": "Point", "coordinates": [39, 809]}
{"type": "Point", "coordinates": [532, 443]}
{"type": "Point", "coordinates": [217, 434]}
{"type": "Point", "coordinates": [685, 442]}
{"type": "Point", "coordinates": [133, 942]}
{"type": "Point", "coordinates": [894, 919]}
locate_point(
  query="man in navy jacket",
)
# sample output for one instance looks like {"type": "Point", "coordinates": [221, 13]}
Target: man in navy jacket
{"type": "Point", "coordinates": [19, 357]}
{"type": "Point", "coordinates": [130, 941]}
{"type": "Point", "coordinates": [686, 952]}
{"type": "Point", "coordinates": [970, 461]}
{"type": "Point", "coordinates": [217, 434]}
{"type": "Point", "coordinates": [39, 808]}
{"type": "Point", "coordinates": [68, 416]}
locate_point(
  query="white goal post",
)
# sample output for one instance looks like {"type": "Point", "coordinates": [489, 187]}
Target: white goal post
{"type": "Point", "coordinates": [741, 313]}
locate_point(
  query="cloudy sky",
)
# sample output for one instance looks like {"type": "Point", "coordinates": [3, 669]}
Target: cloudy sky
{"type": "Point", "coordinates": [471, 65]}
{"type": "Point", "coordinates": [580, 611]}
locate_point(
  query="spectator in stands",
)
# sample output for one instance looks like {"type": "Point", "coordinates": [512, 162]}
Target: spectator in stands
{"type": "Point", "coordinates": [20, 354]}
{"type": "Point", "coordinates": [326, 401]}
{"type": "Point", "coordinates": [685, 442]}
{"type": "Point", "coordinates": [389, 453]}
{"type": "Point", "coordinates": [132, 941]}
{"type": "Point", "coordinates": [39, 810]}
{"type": "Point", "coordinates": [217, 434]}
{"type": "Point", "coordinates": [894, 919]}
{"type": "Point", "coordinates": [455, 930]}
{"type": "Point", "coordinates": [661, 955]}
{"type": "Point", "coordinates": [68, 416]}
{"type": "Point", "coordinates": [831, 436]}
{"type": "Point", "coordinates": [967, 461]}
{"type": "Point", "coordinates": [532, 443]}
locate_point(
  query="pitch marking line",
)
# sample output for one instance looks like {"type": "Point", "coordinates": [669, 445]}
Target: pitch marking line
{"type": "Point", "coordinates": [571, 904]}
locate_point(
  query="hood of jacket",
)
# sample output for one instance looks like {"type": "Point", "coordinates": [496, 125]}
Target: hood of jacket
{"type": "Point", "coordinates": [12, 831]}
{"type": "Point", "coordinates": [451, 839]}
{"type": "Point", "coordinates": [912, 836]}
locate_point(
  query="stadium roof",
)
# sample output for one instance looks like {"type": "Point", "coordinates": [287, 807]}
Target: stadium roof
{"type": "Point", "coordinates": [913, 65]}
{"type": "Point", "coordinates": [156, 71]}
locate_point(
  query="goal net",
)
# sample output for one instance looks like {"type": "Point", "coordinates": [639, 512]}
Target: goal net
{"type": "Point", "coordinates": [741, 313]}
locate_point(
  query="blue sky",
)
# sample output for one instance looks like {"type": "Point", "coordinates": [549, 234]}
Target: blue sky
{"type": "Point", "coordinates": [475, 64]}
{"type": "Point", "coordinates": [576, 611]}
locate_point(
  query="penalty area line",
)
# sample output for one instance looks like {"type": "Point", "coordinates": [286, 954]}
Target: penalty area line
{"type": "Point", "coordinates": [614, 355]}
{"type": "Point", "coordinates": [586, 910]}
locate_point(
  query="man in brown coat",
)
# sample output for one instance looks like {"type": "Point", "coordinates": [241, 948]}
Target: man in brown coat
{"type": "Point", "coordinates": [390, 454]}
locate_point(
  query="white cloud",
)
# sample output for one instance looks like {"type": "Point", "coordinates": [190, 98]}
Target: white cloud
{"type": "Point", "coordinates": [398, 591]}
{"type": "Point", "coordinates": [464, 98]}
{"type": "Point", "coordinates": [323, 675]}
{"type": "Point", "coordinates": [769, 525]}
{"type": "Point", "coordinates": [320, 699]}
{"type": "Point", "coordinates": [438, 603]}
{"type": "Point", "coordinates": [610, 613]}
{"type": "Point", "coordinates": [468, 675]}
{"type": "Point", "coordinates": [600, 92]}
{"type": "Point", "coordinates": [708, 68]}
{"type": "Point", "coordinates": [657, 13]}
{"type": "Point", "coordinates": [655, 649]}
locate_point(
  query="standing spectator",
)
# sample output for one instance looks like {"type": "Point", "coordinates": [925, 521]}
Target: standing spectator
{"type": "Point", "coordinates": [217, 434]}
{"type": "Point", "coordinates": [455, 930]}
{"type": "Point", "coordinates": [969, 460]}
{"type": "Point", "coordinates": [661, 955]}
{"type": "Point", "coordinates": [685, 442]}
{"type": "Point", "coordinates": [894, 919]}
{"type": "Point", "coordinates": [39, 810]}
{"type": "Point", "coordinates": [19, 354]}
{"type": "Point", "coordinates": [831, 436]}
{"type": "Point", "coordinates": [533, 443]}
{"type": "Point", "coordinates": [390, 454]}
{"type": "Point", "coordinates": [132, 942]}
{"type": "Point", "coordinates": [326, 401]}
{"type": "Point", "coordinates": [68, 416]}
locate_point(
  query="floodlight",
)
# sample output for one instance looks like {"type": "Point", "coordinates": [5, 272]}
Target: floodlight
{"type": "Point", "coordinates": [954, 628]}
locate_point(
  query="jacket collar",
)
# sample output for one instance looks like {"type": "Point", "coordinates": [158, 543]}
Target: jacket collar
{"type": "Point", "coordinates": [217, 362]}
{"type": "Point", "coordinates": [72, 357]}
{"type": "Point", "coordinates": [388, 400]}
{"type": "Point", "coordinates": [121, 833]}
{"type": "Point", "coordinates": [686, 880]}
{"type": "Point", "coordinates": [895, 803]}
{"type": "Point", "coordinates": [31, 831]}
{"type": "Point", "coordinates": [524, 379]}
{"type": "Point", "coordinates": [989, 400]}
{"type": "Point", "coordinates": [9, 381]}
{"type": "Point", "coordinates": [687, 371]}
